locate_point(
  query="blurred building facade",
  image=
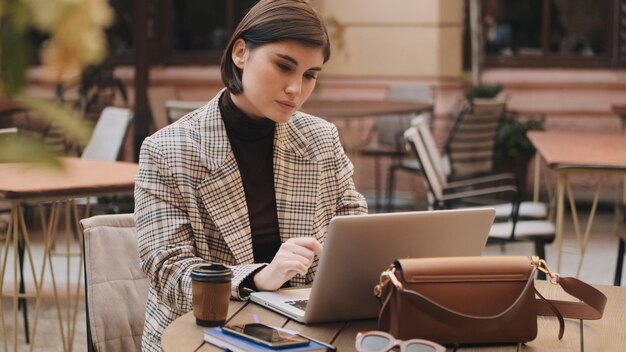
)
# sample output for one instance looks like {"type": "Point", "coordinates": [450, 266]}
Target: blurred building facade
{"type": "Point", "coordinates": [562, 59]}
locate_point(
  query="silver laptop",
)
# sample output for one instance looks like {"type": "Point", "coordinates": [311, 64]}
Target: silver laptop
{"type": "Point", "coordinates": [359, 247]}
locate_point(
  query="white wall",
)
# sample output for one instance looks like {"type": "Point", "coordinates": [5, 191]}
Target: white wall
{"type": "Point", "coordinates": [396, 38]}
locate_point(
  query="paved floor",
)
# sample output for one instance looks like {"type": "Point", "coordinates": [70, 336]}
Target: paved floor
{"type": "Point", "coordinates": [598, 268]}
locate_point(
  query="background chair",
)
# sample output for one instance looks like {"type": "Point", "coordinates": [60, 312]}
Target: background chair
{"type": "Point", "coordinates": [175, 109]}
{"type": "Point", "coordinates": [116, 289]}
{"type": "Point", "coordinates": [105, 144]}
{"type": "Point", "coordinates": [157, 96]}
{"type": "Point", "coordinates": [470, 144]}
{"type": "Point", "coordinates": [513, 229]}
{"type": "Point", "coordinates": [389, 131]}
{"type": "Point", "coordinates": [108, 134]}
{"type": "Point", "coordinates": [526, 210]}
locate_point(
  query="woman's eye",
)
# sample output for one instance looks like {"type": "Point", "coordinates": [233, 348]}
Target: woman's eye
{"type": "Point", "coordinates": [310, 76]}
{"type": "Point", "coordinates": [284, 67]}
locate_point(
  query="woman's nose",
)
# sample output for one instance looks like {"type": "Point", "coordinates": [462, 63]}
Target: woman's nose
{"type": "Point", "coordinates": [294, 87]}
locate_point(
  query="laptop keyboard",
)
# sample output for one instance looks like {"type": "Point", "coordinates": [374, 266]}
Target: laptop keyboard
{"type": "Point", "coordinates": [298, 303]}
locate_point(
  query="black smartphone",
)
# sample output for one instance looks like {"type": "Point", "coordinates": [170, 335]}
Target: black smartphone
{"type": "Point", "coordinates": [266, 335]}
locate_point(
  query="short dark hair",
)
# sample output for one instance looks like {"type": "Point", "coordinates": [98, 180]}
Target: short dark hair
{"type": "Point", "coordinates": [271, 21]}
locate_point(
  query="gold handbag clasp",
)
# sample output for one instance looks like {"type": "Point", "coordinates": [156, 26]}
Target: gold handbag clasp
{"type": "Point", "coordinates": [542, 265]}
{"type": "Point", "coordinates": [385, 277]}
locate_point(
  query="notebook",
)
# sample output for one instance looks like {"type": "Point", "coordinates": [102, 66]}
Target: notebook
{"type": "Point", "coordinates": [359, 247]}
{"type": "Point", "coordinates": [225, 342]}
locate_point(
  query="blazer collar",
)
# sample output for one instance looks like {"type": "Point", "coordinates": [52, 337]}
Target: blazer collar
{"type": "Point", "coordinates": [216, 147]}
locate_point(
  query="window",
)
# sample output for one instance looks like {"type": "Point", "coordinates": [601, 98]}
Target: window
{"type": "Point", "coordinates": [120, 33]}
{"type": "Point", "coordinates": [180, 31]}
{"type": "Point", "coordinates": [553, 33]}
{"type": "Point", "coordinates": [197, 31]}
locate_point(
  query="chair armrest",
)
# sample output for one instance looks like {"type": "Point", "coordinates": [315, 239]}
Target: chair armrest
{"type": "Point", "coordinates": [480, 192]}
{"type": "Point", "coordinates": [478, 180]}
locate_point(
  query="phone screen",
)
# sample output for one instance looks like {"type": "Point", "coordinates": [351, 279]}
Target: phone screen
{"type": "Point", "coordinates": [266, 335]}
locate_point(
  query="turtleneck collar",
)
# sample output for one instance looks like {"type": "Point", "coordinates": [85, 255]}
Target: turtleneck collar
{"type": "Point", "coordinates": [240, 126]}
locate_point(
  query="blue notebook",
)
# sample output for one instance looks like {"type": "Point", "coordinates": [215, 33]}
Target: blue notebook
{"type": "Point", "coordinates": [226, 342]}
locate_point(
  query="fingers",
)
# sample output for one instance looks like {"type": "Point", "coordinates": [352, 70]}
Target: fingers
{"type": "Point", "coordinates": [309, 243]}
{"type": "Point", "coordinates": [294, 257]}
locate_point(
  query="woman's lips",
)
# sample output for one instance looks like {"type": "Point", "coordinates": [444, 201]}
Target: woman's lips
{"type": "Point", "coordinates": [287, 103]}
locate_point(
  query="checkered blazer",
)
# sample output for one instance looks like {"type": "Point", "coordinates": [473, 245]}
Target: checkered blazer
{"type": "Point", "coordinates": [190, 205]}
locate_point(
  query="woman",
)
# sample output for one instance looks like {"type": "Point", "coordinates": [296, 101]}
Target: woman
{"type": "Point", "coordinates": [245, 180]}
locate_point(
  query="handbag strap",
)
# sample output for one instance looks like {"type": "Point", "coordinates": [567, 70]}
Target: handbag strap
{"type": "Point", "coordinates": [592, 301]}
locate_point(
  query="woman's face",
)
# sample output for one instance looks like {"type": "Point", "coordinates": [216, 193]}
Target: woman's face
{"type": "Point", "coordinates": [277, 78]}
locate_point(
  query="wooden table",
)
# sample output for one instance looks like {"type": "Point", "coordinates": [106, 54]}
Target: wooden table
{"type": "Point", "coordinates": [347, 108]}
{"type": "Point", "coordinates": [22, 183]}
{"type": "Point", "coordinates": [571, 153]}
{"type": "Point", "coordinates": [607, 334]}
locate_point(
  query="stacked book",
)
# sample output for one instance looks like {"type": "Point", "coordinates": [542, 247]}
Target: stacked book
{"type": "Point", "coordinates": [232, 343]}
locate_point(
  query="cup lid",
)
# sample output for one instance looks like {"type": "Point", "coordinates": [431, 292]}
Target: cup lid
{"type": "Point", "coordinates": [211, 271]}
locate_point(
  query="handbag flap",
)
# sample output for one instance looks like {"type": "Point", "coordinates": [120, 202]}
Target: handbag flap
{"type": "Point", "coordinates": [477, 286]}
{"type": "Point", "coordinates": [465, 269]}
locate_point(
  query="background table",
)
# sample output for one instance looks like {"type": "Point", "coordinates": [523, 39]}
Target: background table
{"type": "Point", "coordinates": [570, 153]}
{"type": "Point", "coordinates": [22, 183]}
{"type": "Point", "coordinates": [349, 108]}
{"type": "Point", "coordinates": [607, 334]}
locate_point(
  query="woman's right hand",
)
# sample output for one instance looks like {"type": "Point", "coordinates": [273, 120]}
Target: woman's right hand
{"type": "Point", "coordinates": [294, 256]}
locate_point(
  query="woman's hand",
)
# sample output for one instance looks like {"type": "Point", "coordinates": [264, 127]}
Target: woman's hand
{"type": "Point", "coordinates": [295, 256]}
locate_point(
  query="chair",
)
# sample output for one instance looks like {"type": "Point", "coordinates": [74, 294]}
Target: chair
{"type": "Point", "coordinates": [157, 96]}
{"type": "Point", "coordinates": [470, 144]}
{"type": "Point", "coordinates": [175, 109]}
{"type": "Point", "coordinates": [514, 229]}
{"type": "Point", "coordinates": [106, 142]}
{"type": "Point", "coordinates": [389, 130]}
{"type": "Point", "coordinates": [527, 209]}
{"type": "Point", "coordinates": [108, 134]}
{"type": "Point", "coordinates": [116, 289]}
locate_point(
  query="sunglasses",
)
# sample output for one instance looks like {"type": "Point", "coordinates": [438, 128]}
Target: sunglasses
{"type": "Point", "coordinates": [379, 341]}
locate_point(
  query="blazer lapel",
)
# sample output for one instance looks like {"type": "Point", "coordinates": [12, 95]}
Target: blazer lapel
{"type": "Point", "coordinates": [296, 182]}
{"type": "Point", "coordinates": [222, 190]}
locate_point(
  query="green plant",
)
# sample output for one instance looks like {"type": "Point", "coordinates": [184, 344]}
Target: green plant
{"type": "Point", "coordinates": [513, 150]}
{"type": "Point", "coordinates": [485, 91]}
{"type": "Point", "coordinates": [77, 40]}
{"type": "Point", "coordinates": [97, 89]}
{"type": "Point", "coordinates": [511, 141]}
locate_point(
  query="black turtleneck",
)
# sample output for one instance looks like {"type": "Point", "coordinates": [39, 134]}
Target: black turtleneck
{"type": "Point", "coordinates": [252, 141]}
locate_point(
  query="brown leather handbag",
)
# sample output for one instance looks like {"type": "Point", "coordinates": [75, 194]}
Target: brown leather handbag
{"type": "Point", "coordinates": [475, 300]}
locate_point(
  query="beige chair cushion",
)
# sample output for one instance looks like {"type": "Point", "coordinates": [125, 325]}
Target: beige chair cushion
{"type": "Point", "coordinates": [117, 288]}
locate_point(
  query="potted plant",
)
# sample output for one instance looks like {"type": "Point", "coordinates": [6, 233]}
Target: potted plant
{"type": "Point", "coordinates": [512, 148]}
{"type": "Point", "coordinates": [483, 91]}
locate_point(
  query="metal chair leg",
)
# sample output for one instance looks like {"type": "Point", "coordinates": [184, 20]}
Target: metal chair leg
{"type": "Point", "coordinates": [391, 183]}
{"type": "Point", "coordinates": [379, 201]}
{"type": "Point", "coordinates": [620, 263]}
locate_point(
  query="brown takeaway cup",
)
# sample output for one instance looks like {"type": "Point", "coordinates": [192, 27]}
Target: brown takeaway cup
{"type": "Point", "coordinates": [210, 287]}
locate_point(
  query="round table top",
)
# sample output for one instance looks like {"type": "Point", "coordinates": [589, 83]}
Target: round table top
{"type": "Point", "coordinates": [605, 334]}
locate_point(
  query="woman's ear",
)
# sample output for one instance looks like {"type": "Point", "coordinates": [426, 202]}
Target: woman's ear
{"type": "Point", "coordinates": [239, 53]}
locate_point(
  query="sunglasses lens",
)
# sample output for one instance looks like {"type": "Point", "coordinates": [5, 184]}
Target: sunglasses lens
{"type": "Point", "coordinates": [374, 343]}
{"type": "Point", "coordinates": [418, 347]}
